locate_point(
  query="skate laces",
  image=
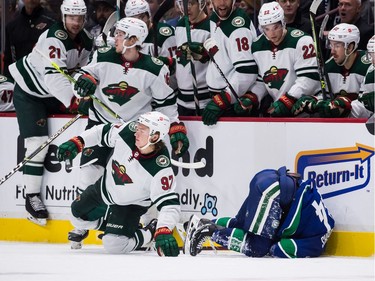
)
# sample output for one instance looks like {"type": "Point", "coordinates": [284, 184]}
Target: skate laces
{"type": "Point", "coordinates": [36, 203]}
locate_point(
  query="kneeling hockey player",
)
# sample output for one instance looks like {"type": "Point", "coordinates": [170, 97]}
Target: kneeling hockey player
{"type": "Point", "coordinates": [281, 217]}
{"type": "Point", "coordinates": [138, 174]}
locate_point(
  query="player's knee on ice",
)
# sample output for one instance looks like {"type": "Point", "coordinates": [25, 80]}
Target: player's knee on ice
{"type": "Point", "coordinates": [118, 244]}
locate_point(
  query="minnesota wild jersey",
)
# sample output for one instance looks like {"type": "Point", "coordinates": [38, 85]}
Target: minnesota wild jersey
{"type": "Point", "coordinates": [165, 41]}
{"type": "Point", "coordinates": [291, 67]}
{"type": "Point", "coordinates": [129, 88]}
{"type": "Point", "coordinates": [6, 94]}
{"type": "Point", "coordinates": [347, 81]}
{"type": "Point", "coordinates": [233, 37]}
{"type": "Point", "coordinates": [131, 178]}
{"type": "Point", "coordinates": [35, 74]}
{"type": "Point", "coordinates": [200, 32]}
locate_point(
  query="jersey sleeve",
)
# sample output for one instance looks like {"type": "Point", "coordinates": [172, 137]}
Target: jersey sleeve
{"type": "Point", "coordinates": [165, 198]}
{"type": "Point", "coordinates": [102, 135]}
{"type": "Point", "coordinates": [306, 68]}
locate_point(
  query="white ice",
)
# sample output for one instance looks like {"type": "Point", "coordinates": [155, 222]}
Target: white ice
{"type": "Point", "coordinates": [57, 262]}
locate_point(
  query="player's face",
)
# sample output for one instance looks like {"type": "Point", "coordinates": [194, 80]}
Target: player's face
{"type": "Point", "coordinates": [290, 7]}
{"type": "Point", "coordinates": [74, 24]}
{"type": "Point", "coordinates": [348, 10]}
{"type": "Point", "coordinates": [142, 134]}
{"type": "Point", "coordinates": [193, 11]}
{"type": "Point", "coordinates": [223, 8]}
{"type": "Point", "coordinates": [337, 51]}
{"type": "Point", "coordinates": [102, 13]}
{"type": "Point", "coordinates": [143, 17]}
{"type": "Point", "coordinates": [274, 32]}
{"type": "Point", "coordinates": [120, 41]}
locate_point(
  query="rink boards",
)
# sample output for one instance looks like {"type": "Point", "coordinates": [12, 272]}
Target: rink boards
{"type": "Point", "coordinates": [337, 155]}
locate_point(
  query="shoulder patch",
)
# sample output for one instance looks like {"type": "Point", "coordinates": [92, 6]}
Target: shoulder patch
{"type": "Point", "coordinates": [132, 126]}
{"type": "Point", "coordinates": [238, 21]}
{"type": "Point", "coordinates": [3, 79]}
{"type": "Point", "coordinates": [61, 34]}
{"type": "Point", "coordinates": [162, 161]}
{"type": "Point", "coordinates": [297, 33]}
{"type": "Point", "coordinates": [157, 61]}
{"type": "Point", "coordinates": [88, 34]}
{"type": "Point", "coordinates": [104, 49]}
{"type": "Point", "coordinates": [165, 30]}
{"type": "Point", "coordinates": [365, 59]}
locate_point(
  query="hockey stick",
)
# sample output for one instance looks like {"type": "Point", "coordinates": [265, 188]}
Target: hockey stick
{"type": "Point", "coordinates": [118, 7]}
{"type": "Point", "coordinates": [40, 148]}
{"type": "Point", "coordinates": [319, 56]}
{"type": "Point", "coordinates": [320, 17]}
{"type": "Point", "coordinates": [164, 7]}
{"type": "Point", "coordinates": [196, 165]}
{"type": "Point", "coordinates": [112, 19]}
{"type": "Point", "coordinates": [192, 66]}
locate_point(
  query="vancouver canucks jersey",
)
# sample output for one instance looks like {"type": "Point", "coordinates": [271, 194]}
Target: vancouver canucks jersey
{"type": "Point", "coordinates": [129, 88]}
{"type": "Point", "coordinates": [34, 72]}
{"type": "Point", "coordinates": [291, 67]}
{"type": "Point", "coordinates": [306, 227]}
{"type": "Point", "coordinates": [233, 37]}
{"type": "Point", "coordinates": [199, 32]}
{"type": "Point", "coordinates": [6, 94]}
{"type": "Point", "coordinates": [131, 178]}
{"type": "Point", "coordinates": [344, 81]}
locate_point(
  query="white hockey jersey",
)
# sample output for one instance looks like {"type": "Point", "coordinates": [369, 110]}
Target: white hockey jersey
{"type": "Point", "coordinates": [131, 178]}
{"type": "Point", "coordinates": [200, 32]}
{"type": "Point", "coordinates": [165, 41]}
{"type": "Point", "coordinates": [129, 88]}
{"type": "Point", "coordinates": [35, 74]}
{"type": "Point", "coordinates": [291, 67]}
{"type": "Point", "coordinates": [6, 94]}
{"type": "Point", "coordinates": [233, 37]}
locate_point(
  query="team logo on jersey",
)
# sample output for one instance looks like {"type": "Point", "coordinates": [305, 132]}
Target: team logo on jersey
{"type": "Point", "coordinates": [41, 122]}
{"type": "Point", "coordinates": [87, 151]}
{"type": "Point", "coordinates": [157, 61]}
{"type": "Point", "coordinates": [119, 174]}
{"type": "Point", "coordinates": [2, 79]}
{"type": "Point", "coordinates": [166, 31]}
{"type": "Point", "coordinates": [297, 33]}
{"type": "Point", "coordinates": [133, 126]}
{"type": "Point", "coordinates": [238, 22]}
{"type": "Point", "coordinates": [120, 93]}
{"type": "Point", "coordinates": [104, 49]}
{"type": "Point", "coordinates": [366, 59]}
{"type": "Point", "coordinates": [162, 161]}
{"type": "Point", "coordinates": [275, 77]}
{"type": "Point", "coordinates": [61, 34]}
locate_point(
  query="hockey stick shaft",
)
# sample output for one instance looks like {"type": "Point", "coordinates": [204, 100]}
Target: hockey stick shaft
{"type": "Point", "coordinates": [192, 66]}
{"type": "Point", "coordinates": [319, 57]}
{"type": "Point", "coordinates": [40, 148]}
{"type": "Point", "coordinates": [322, 16]}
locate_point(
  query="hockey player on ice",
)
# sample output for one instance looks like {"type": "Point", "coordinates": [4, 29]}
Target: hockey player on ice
{"type": "Point", "coordinates": [138, 174]}
{"type": "Point", "coordinates": [41, 90]}
{"type": "Point", "coordinates": [346, 70]}
{"type": "Point", "coordinates": [130, 83]}
{"type": "Point", "coordinates": [281, 217]}
{"type": "Point", "coordinates": [286, 60]}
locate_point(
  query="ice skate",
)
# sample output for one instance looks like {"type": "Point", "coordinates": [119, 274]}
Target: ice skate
{"type": "Point", "coordinates": [190, 226]}
{"type": "Point", "coordinates": [197, 234]}
{"type": "Point", "coordinates": [76, 237]}
{"type": "Point", "coordinates": [152, 227]}
{"type": "Point", "coordinates": [37, 211]}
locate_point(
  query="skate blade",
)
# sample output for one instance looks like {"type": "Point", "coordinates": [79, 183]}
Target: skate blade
{"type": "Point", "coordinates": [75, 245]}
{"type": "Point", "coordinates": [41, 222]}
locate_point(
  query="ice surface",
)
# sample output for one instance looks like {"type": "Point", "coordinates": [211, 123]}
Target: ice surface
{"type": "Point", "coordinates": [57, 262]}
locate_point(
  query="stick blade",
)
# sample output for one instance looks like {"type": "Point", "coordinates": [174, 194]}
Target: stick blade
{"type": "Point", "coordinates": [314, 6]}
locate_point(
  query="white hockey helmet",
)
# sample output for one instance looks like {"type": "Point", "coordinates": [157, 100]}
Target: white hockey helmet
{"type": "Point", "coordinates": [180, 5]}
{"type": "Point", "coordinates": [133, 27]}
{"type": "Point", "coordinates": [73, 7]}
{"type": "Point", "coordinates": [345, 33]}
{"type": "Point", "coordinates": [271, 13]}
{"type": "Point", "coordinates": [371, 45]}
{"type": "Point", "coordinates": [157, 122]}
{"type": "Point", "coordinates": [137, 7]}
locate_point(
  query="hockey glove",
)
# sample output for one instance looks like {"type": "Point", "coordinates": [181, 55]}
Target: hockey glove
{"type": "Point", "coordinates": [79, 105]}
{"type": "Point", "coordinates": [248, 102]}
{"type": "Point", "coordinates": [211, 46]}
{"type": "Point", "coordinates": [70, 149]}
{"type": "Point", "coordinates": [215, 108]}
{"type": "Point", "coordinates": [339, 107]}
{"type": "Point", "coordinates": [165, 243]}
{"type": "Point", "coordinates": [179, 140]}
{"type": "Point", "coordinates": [170, 62]}
{"type": "Point", "coordinates": [305, 104]}
{"type": "Point", "coordinates": [282, 107]}
{"type": "Point", "coordinates": [85, 85]}
{"type": "Point", "coordinates": [368, 101]}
